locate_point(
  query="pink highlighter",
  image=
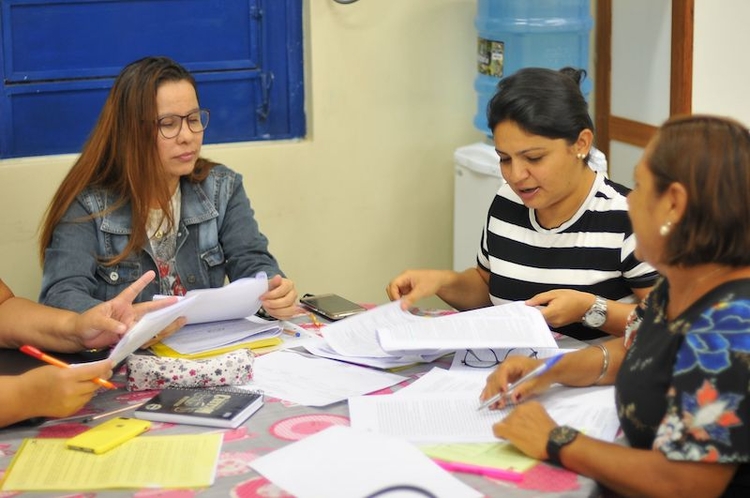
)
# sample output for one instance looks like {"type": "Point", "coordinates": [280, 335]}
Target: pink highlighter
{"type": "Point", "coordinates": [467, 468]}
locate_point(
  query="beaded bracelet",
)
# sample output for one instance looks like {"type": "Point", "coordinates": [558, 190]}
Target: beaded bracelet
{"type": "Point", "coordinates": [605, 363]}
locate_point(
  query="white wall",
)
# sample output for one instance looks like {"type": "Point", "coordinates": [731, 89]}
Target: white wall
{"type": "Point", "coordinates": [640, 73]}
{"type": "Point", "coordinates": [640, 66]}
{"type": "Point", "coordinates": [721, 76]}
{"type": "Point", "coordinates": [369, 191]}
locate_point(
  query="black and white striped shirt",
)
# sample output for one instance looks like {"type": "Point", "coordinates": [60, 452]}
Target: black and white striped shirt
{"type": "Point", "coordinates": [591, 252]}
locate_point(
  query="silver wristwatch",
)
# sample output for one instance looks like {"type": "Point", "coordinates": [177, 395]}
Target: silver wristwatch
{"type": "Point", "coordinates": [597, 314]}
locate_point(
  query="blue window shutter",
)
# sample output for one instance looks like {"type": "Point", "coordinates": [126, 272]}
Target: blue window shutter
{"type": "Point", "coordinates": [59, 59]}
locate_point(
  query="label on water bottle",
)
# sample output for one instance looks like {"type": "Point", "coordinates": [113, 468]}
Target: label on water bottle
{"type": "Point", "coordinates": [490, 55]}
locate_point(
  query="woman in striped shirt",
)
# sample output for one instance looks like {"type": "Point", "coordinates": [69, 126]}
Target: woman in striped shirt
{"type": "Point", "coordinates": [557, 234]}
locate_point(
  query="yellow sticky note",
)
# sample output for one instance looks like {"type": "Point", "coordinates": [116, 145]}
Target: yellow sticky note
{"type": "Point", "coordinates": [498, 455]}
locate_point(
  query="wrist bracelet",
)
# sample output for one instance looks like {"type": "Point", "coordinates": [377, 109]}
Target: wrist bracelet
{"type": "Point", "coordinates": [605, 364]}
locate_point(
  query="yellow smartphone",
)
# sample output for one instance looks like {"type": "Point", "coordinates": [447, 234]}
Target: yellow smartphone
{"type": "Point", "coordinates": [108, 435]}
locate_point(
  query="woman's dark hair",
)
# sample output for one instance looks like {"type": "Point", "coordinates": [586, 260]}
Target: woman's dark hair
{"type": "Point", "coordinates": [542, 102]}
{"type": "Point", "coordinates": [710, 157]}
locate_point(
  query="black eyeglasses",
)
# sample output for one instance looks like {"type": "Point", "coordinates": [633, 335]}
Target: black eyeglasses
{"type": "Point", "coordinates": [171, 126]}
{"type": "Point", "coordinates": [488, 358]}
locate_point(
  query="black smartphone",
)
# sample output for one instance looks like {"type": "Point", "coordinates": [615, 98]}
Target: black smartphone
{"type": "Point", "coordinates": [331, 306]}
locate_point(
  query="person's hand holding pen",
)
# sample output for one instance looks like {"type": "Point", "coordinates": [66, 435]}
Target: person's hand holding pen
{"type": "Point", "coordinates": [515, 379]}
{"type": "Point", "coordinates": [527, 427]}
{"type": "Point", "coordinates": [52, 391]}
{"type": "Point", "coordinates": [40, 355]}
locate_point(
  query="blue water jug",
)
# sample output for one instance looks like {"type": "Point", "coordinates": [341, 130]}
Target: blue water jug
{"type": "Point", "coordinates": [528, 33]}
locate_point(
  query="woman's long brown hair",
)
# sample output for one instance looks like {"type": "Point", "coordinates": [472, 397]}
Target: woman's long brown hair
{"type": "Point", "coordinates": [121, 155]}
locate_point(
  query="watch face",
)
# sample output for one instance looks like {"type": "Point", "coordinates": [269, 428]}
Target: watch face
{"type": "Point", "coordinates": [597, 315]}
{"type": "Point", "coordinates": [563, 435]}
{"type": "Point", "coordinates": [558, 438]}
{"type": "Point", "coordinates": [594, 318]}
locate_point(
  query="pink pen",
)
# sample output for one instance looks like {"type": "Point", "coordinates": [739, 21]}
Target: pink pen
{"type": "Point", "coordinates": [506, 475]}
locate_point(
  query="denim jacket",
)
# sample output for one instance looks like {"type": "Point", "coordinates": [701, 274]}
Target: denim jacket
{"type": "Point", "coordinates": [217, 237]}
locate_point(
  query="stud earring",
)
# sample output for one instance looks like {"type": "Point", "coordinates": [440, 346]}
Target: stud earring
{"type": "Point", "coordinates": [580, 156]}
{"type": "Point", "coordinates": [665, 228]}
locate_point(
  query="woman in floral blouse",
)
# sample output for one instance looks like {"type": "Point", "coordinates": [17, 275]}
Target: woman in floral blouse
{"type": "Point", "coordinates": [682, 372]}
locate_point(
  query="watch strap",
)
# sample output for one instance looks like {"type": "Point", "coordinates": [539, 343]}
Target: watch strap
{"type": "Point", "coordinates": [596, 316]}
{"type": "Point", "coordinates": [559, 437]}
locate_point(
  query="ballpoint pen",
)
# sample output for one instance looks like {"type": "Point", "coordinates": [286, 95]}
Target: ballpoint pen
{"type": "Point", "coordinates": [32, 351]}
{"type": "Point", "coordinates": [90, 417]}
{"type": "Point", "coordinates": [548, 363]}
{"type": "Point", "coordinates": [507, 475]}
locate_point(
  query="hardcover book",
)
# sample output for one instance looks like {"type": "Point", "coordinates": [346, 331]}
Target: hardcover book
{"type": "Point", "coordinates": [213, 407]}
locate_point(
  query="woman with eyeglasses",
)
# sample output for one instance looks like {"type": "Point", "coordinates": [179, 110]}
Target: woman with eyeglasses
{"type": "Point", "coordinates": [682, 371]}
{"type": "Point", "coordinates": [140, 197]}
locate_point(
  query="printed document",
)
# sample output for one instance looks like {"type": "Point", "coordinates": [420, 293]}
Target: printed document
{"type": "Point", "coordinates": [147, 327]}
{"type": "Point", "coordinates": [201, 337]}
{"type": "Point", "coordinates": [184, 461]}
{"type": "Point", "coordinates": [439, 380]}
{"type": "Point", "coordinates": [322, 348]}
{"type": "Point", "coordinates": [313, 381]}
{"type": "Point", "coordinates": [355, 335]}
{"type": "Point", "coordinates": [348, 463]}
{"type": "Point", "coordinates": [492, 454]}
{"type": "Point", "coordinates": [238, 299]}
{"type": "Point", "coordinates": [512, 325]}
{"type": "Point", "coordinates": [454, 418]}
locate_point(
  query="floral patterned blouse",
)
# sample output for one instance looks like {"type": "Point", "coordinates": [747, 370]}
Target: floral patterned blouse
{"type": "Point", "coordinates": [683, 385]}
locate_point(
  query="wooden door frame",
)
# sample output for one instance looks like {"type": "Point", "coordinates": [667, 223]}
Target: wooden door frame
{"type": "Point", "coordinates": [609, 127]}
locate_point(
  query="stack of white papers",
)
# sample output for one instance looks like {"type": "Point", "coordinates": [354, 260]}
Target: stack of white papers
{"type": "Point", "coordinates": [214, 335]}
{"type": "Point", "coordinates": [147, 327]}
{"type": "Point", "coordinates": [322, 349]}
{"type": "Point", "coordinates": [354, 339]}
{"type": "Point", "coordinates": [312, 381]}
{"type": "Point", "coordinates": [387, 336]}
{"type": "Point", "coordinates": [238, 299]}
{"type": "Point", "coordinates": [357, 335]}
{"type": "Point", "coordinates": [512, 325]}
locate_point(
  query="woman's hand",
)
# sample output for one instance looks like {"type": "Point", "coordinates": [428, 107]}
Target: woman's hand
{"type": "Point", "coordinates": [509, 371]}
{"type": "Point", "coordinates": [413, 285]}
{"type": "Point", "coordinates": [527, 427]}
{"type": "Point", "coordinates": [562, 307]}
{"type": "Point", "coordinates": [281, 299]}
{"type": "Point", "coordinates": [60, 392]}
{"type": "Point", "coordinates": [104, 324]}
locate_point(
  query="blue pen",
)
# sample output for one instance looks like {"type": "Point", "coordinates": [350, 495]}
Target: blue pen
{"type": "Point", "coordinates": [548, 363]}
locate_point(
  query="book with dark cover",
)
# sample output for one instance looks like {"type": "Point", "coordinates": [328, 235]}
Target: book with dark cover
{"type": "Point", "coordinates": [209, 406]}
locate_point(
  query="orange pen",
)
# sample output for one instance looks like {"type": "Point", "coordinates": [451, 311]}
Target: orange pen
{"type": "Point", "coordinates": [32, 351]}
{"type": "Point", "coordinates": [314, 319]}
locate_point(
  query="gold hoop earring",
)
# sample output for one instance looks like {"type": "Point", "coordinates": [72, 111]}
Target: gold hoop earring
{"type": "Point", "coordinates": [665, 228]}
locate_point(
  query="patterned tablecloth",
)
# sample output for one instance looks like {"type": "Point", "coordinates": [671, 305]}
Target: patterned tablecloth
{"type": "Point", "coordinates": [276, 424]}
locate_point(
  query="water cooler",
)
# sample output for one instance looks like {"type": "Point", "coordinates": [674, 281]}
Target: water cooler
{"type": "Point", "coordinates": [477, 178]}
{"type": "Point", "coordinates": [528, 33]}
{"type": "Point", "coordinates": [511, 34]}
